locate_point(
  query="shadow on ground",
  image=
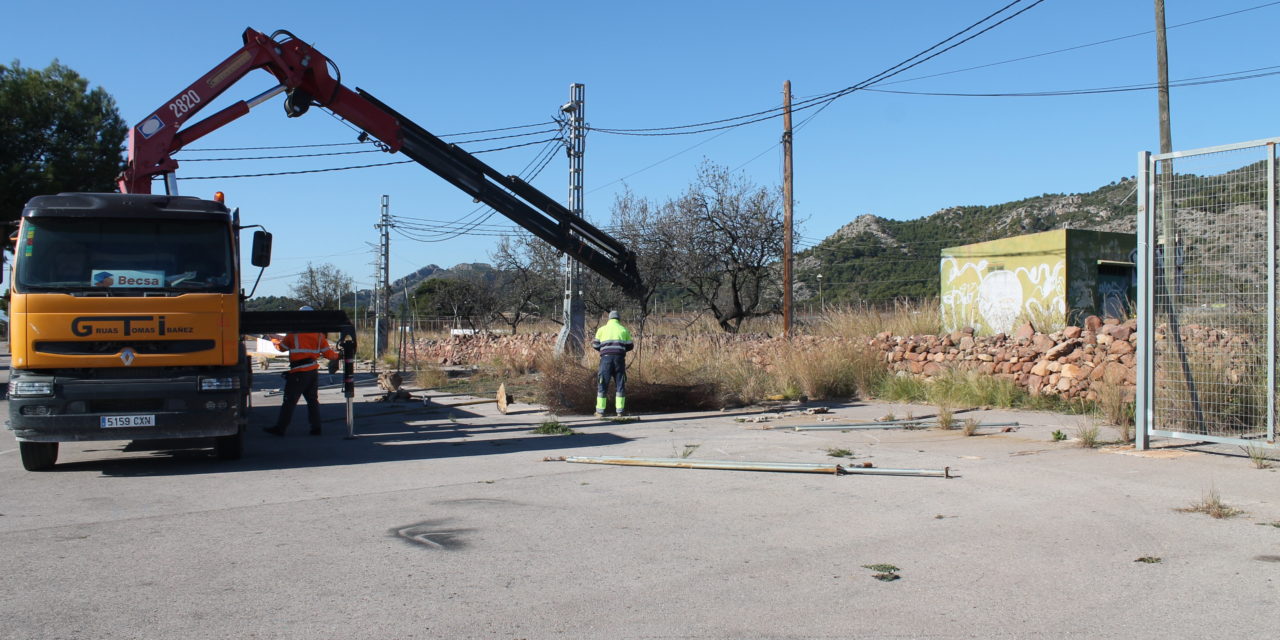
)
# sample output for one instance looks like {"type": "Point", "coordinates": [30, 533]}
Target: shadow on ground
{"type": "Point", "coordinates": [384, 433]}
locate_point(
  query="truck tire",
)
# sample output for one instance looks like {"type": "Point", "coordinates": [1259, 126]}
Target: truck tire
{"type": "Point", "coordinates": [38, 456]}
{"type": "Point", "coordinates": [229, 447]}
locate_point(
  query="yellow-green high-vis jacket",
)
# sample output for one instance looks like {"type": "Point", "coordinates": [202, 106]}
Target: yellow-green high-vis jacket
{"type": "Point", "coordinates": [612, 339]}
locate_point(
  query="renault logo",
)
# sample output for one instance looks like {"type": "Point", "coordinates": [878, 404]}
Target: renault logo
{"type": "Point", "coordinates": [127, 355]}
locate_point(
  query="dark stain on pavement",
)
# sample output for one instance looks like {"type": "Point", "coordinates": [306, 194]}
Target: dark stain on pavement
{"type": "Point", "coordinates": [432, 534]}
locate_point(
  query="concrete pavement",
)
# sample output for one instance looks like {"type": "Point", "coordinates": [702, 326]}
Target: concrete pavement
{"type": "Point", "coordinates": [432, 527]}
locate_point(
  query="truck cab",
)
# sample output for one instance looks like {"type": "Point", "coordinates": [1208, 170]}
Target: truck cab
{"type": "Point", "coordinates": [125, 317]}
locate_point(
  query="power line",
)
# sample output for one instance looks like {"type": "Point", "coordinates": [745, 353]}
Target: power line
{"type": "Point", "coordinates": [289, 173]}
{"type": "Point", "coordinates": [296, 155]}
{"type": "Point", "coordinates": [1084, 46]}
{"type": "Point", "coordinates": [825, 99]}
{"type": "Point", "coordinates": [1186, 82]}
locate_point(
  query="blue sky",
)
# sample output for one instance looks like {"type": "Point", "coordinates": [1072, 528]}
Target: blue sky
{"type": "Point", "coordinates": [455, 67]}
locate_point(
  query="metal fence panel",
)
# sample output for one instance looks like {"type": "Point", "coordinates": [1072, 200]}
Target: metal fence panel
{"type": "Point", "coordinates": [1207, 294]}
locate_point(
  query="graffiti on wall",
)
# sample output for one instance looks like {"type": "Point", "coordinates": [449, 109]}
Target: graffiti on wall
{"type": "Point", "coordinates": [992, 298]}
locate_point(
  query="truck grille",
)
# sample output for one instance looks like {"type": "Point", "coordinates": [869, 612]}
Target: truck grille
{"type": "Point", "coordinates": [125, 405]}
{"type": "Point", "coordinates": [109, 347]}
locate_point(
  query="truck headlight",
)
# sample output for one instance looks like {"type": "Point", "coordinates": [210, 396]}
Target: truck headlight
{"type": "Point", "coordinates": [27, 389]}
{"type": "Point", "coordinates": [219, 384]}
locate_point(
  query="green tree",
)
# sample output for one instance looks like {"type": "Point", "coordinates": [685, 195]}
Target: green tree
{"type": "Point", "coordinates": [55, 135]}
{"type": "Point", "coordinates": [322, 287]}
{"type": "Point", "coordinates": [725, 238]}
{"type": "Point", "coordinates": [449, 297]}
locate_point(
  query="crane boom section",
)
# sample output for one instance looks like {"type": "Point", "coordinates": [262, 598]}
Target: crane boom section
{"type": "Point", "coordinates": [304, 74]}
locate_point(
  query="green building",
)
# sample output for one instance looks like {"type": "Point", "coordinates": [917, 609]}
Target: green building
{"type": "Point", "coordinates": [1049, 278]}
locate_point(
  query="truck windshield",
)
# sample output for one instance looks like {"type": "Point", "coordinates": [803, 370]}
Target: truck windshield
{"type": "Point", "coordinates": [124, 256]}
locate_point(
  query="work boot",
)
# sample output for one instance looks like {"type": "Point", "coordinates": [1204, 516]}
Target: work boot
{"type": "Point", "coordinates": [620, 414]}
{"type": "Point", "coordinates": [275, 431]}
{"type": "Point", "coordinates": [599, 414]}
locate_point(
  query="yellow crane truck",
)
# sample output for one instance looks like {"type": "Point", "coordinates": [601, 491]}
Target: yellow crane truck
{"type": "Point", "coordinates": [127, 313]}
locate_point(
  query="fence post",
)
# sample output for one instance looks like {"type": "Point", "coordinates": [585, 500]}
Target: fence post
{"type": "Point", "coordinates": [1146, 322]}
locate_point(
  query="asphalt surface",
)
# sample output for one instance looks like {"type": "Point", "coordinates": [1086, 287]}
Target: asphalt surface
{"type": "Point", "coordinates": [448, 523]}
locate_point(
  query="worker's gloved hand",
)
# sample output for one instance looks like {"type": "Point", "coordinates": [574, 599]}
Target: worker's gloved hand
{"type": "Point", "coordinates": [333, 366]}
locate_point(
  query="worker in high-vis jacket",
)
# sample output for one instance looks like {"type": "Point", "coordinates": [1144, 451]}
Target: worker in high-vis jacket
{"type": "Point", "coordinates": [303, 377]}
{"type": "Point", "coordinates": [613, 341]}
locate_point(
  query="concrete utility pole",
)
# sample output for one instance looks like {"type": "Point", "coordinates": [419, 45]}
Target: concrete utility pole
{"type": "Point", "coordinates": [573, 330]}
{"type": "Point", "coordinates": [382, 282]}
{"type": "Point", "coordinates": [788, 201]}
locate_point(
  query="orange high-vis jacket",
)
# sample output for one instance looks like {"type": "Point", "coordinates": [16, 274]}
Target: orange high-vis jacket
{"type": "Point", "coordinates": [305, 350]}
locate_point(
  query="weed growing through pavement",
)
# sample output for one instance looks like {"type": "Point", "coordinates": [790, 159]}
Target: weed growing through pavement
{"type": "Point", "coordinates": [1087, 435]}
{"type": "Point", "coordinates": [970, 426]}
{"type": "Point", "coordinates": [1150, 560]}
{"type": "Point", "coordinates": [554, 427]}
{"type": "Point", "coordinates": [689, 449]}
{"type": "Point", "coordinates": [1269, 524]}
{"type": "Point", "coordinates": [839, 453]}
{"type": "Point", "coordinates": [622, 419]}
{"type": "Point", "coordinates": [1059, 436]}
{"type": "Point", "coordinates": [1117, 408]}
{"type": "Point", "coordinates": [946, 417]}
{"type": "Point", "coordinates": [1259, 456]}
{"type": "Point", "coordinates": [884, 572]}
{"type": "Point", "coordinates": [1213, 506]}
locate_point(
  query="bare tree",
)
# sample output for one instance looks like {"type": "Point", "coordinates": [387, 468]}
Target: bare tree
{"type": "Point", "coordinates": [648, 230]}
{"type": "Point", "coordinates": [526, 284]}
{"type": "Point", "coordinates": [321, 287]}
{"type": "Point", "coordinates": [727, 237]}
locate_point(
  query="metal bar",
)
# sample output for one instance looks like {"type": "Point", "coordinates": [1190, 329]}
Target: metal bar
{"type": "Point", "coordinates": [1214, 439]}
{"type": "Point", "coordinates": [727, 465]}
{"type": "Point", "coordinates": [1271, 290]}
{"type": "Point", "coordinates": [1217, 149]}
{"type": "Point", "coordinates": [850, 427]}
{"type": "Point", "coordinates": [265, 96]}
{"type": "Point", "coordinates": [1146, 332]}
{"type": "Point", "coordinates": [944, 472]}
{"type": "Point", "coordinates": [349, 380]}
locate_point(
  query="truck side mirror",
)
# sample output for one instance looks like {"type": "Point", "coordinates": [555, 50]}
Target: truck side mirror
{"type": "Point", "coordinates": [261, 256]}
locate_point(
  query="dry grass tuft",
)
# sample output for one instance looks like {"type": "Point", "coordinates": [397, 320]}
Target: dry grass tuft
{"type": "Point", "coordinates": [1213, 506]}
{"type": "Point", "coordinates": [1258, 455]}
{"type": "Point", "coordinates": [1087, 435]}
{"type": "Point", "coordinates": [430, 378]}
{"type": "Point", "coordinates": [946, 417]}
{"type": "Point", "coordinates": [516, 360]}
{"type": "Point", "coordinates": [1117, 408]}
{"type": "Point", "coordinates": [566, 386]}
{"type": "Point", "coordinates": [970, 426]}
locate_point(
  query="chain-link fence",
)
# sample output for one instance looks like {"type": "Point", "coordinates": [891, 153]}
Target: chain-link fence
{"type": "Point", "coordinates": [1207, 294]}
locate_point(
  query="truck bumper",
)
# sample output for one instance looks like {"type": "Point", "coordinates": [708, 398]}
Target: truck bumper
{"type": "Point", "coordinates": [174, 407]}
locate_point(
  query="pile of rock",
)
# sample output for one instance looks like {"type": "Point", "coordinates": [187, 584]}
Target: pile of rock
{"type": "Point", "coordinates": [481, 348]}
{"type": "Point", "coordinates": [1076, 362]}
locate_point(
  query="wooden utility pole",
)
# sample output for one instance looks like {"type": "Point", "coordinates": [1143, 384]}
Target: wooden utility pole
{"type": "Point", "coordinates": [787, 203]}
{"type": "Point", "coordinates": [1162, 69]}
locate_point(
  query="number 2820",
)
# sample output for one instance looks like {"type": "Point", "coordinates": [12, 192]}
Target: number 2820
{"type": "Point", "coordinates": [184, 103]}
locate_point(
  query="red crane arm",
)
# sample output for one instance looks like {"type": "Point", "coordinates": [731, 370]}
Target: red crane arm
{"type": "Point", "coordinates": [301, 71]}
{"type": "Point", "coordinates": [304, 74]}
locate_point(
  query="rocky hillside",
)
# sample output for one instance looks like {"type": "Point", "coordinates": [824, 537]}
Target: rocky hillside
{"type": "Point", "coordinates": [876, 259]}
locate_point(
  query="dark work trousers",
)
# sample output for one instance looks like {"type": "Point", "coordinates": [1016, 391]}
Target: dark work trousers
{"type": "Point", "coordinates": [614, 367]}
{"type": "Point", "coordinates": [301, 384]}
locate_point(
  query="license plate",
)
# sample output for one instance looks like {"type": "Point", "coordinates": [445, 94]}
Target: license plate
{"type": "Point", "coordinates": [127, 421]}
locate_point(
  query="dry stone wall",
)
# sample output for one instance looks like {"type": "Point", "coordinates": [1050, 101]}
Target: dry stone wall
{"type": "Point", "coordinates": [1074, 363]}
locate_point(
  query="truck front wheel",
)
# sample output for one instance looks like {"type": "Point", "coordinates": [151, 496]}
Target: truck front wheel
{"type": "Point", "coordinates": [38, 456]}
